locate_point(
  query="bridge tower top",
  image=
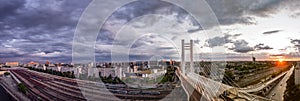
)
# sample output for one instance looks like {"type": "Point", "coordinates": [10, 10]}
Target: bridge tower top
{"type": "Point", "coordinates": [187, 46]}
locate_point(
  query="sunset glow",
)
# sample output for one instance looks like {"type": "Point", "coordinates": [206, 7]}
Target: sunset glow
{"type": "Point", "coordinates": [280, 60]}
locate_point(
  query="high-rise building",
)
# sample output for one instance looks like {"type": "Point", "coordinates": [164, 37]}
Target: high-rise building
{"type": "Point", "coordinates": [105, 72]}
{"type": "Point", "coordinates": [135, 68]}
{"type": "Point", "coordinates": [44, 67]}
{"type": "Point", "coordinates": [59, 68]}
{"type": "Point", "coordinates": [96, 73]}
{"type": "Point", "coordinates": [47, 62]}
{"type": "Point", "coordinates": [33, 64]}
{"type": "Point", "coordinates": [78, 71]}
{"type": "Point", "coordinates": [12, 64]}
{"type": "Point", "coordinates": [91, 64]}
{"type": "Point", "coordinates": [119, 72]}
{"type": "Point", "coordinates": [297, 74]}
{"type": "Point", "coordinates": [90, 72]}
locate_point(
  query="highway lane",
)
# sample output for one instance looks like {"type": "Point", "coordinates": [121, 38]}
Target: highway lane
{"type": "Point", "coordinates": [263, 85]}
{"type": "Point", "coordinates": [278, 91]}
{"type": "Point", "coordinates": [258, 75]}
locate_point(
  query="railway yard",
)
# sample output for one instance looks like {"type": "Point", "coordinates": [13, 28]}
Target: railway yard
{"type": "Point", "coordinates": [43, 86]}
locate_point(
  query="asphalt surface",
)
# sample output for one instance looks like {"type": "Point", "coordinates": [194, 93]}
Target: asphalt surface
{"type": "Point", "coordinates": [278, 91]}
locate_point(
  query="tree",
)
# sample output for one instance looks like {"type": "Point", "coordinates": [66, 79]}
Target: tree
{"type": "Point", "coordinates": [6, 73]}
{"type": "Point", "coordinates": [22, 88]}
{"type": "Point", "coordinates": [229, 74]}
{"type": "Point", "coordinates": [109, 79]}
{"type": "Point", "coordinates": [72, 75]}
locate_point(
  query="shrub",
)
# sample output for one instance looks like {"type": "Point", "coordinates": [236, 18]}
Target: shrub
{"type": "Point", "coordinates": [22, 88]}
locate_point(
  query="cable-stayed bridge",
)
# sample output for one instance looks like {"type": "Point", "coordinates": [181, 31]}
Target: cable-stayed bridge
{"type": "Point", "coordinates": [198, 87]}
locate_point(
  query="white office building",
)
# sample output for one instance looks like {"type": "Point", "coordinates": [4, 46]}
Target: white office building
{"type": "Point", "coordinates": [93, 72]}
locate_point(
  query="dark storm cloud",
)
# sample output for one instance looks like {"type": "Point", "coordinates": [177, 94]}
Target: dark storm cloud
{"type": "Point", "coordinates": [30, 27]}
{"type": "Point", "coordinates": [241, 46]}
{"type": "Point", "coordinates": [105, 37]}
{"type": "Point", "coordinates": [295, 15]}
{"type": "Point", "coordinates": [220, 41]}
{"type": "Point", "coordinates": [240, 11]}
{"type": "Point", "coordinates": [194, 30]}
{"type": "Point", "coordinates": [228, 12]}
{"type": "Point", "coordinates": [197, 41]}
{"type": "Point", "coordinates": [216, 41]}
{"type": "Point", "coordinates": [134, 57]}
{"type": "Point", "coordinates": [9, 53]}
{"type": "Point", "coordinates": [48, 14]}
{"type": "Point", "coordinates": [166, 48]}
{"type": "Point", "coordinates": [262, 47]}
{"type": "Point", "coordinates": [272, 32]}
{"type": "Point", "coordinates": [46, 26]}
{"type": "Point", "coordinates": [143, 7]}
{"type": "Point", "coordinates": [296, 43]}
{"type": "Point", "coordinates": [9, 7]}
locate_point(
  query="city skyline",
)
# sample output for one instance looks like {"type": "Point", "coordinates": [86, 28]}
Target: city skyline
{"type": "Point", "coordinates": [32, 31]}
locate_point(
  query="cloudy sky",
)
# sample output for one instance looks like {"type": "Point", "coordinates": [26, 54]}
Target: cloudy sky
{"type": "Point", "coordinates": [40, 30]}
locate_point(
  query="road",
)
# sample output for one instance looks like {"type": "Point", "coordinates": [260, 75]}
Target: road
{"type": "Point", "coordinates": [278, 91]}
{"type": "Point", "coordinates": [263, 85]}
{"type": "Point", "coordinates": [250, 79]}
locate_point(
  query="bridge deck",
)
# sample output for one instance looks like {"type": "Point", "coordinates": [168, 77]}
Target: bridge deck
{"type": "Point", "coordinates": [199, 87]}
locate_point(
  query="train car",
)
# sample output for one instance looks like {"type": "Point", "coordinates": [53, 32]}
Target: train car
{"type": "Point", "coordinates": [134, 92]}
{"type": "Point", "coordinates": [150, 92]}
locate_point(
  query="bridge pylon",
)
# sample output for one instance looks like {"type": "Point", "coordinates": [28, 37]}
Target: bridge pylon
{"type": "Point", "coordinates": [187, 46]}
